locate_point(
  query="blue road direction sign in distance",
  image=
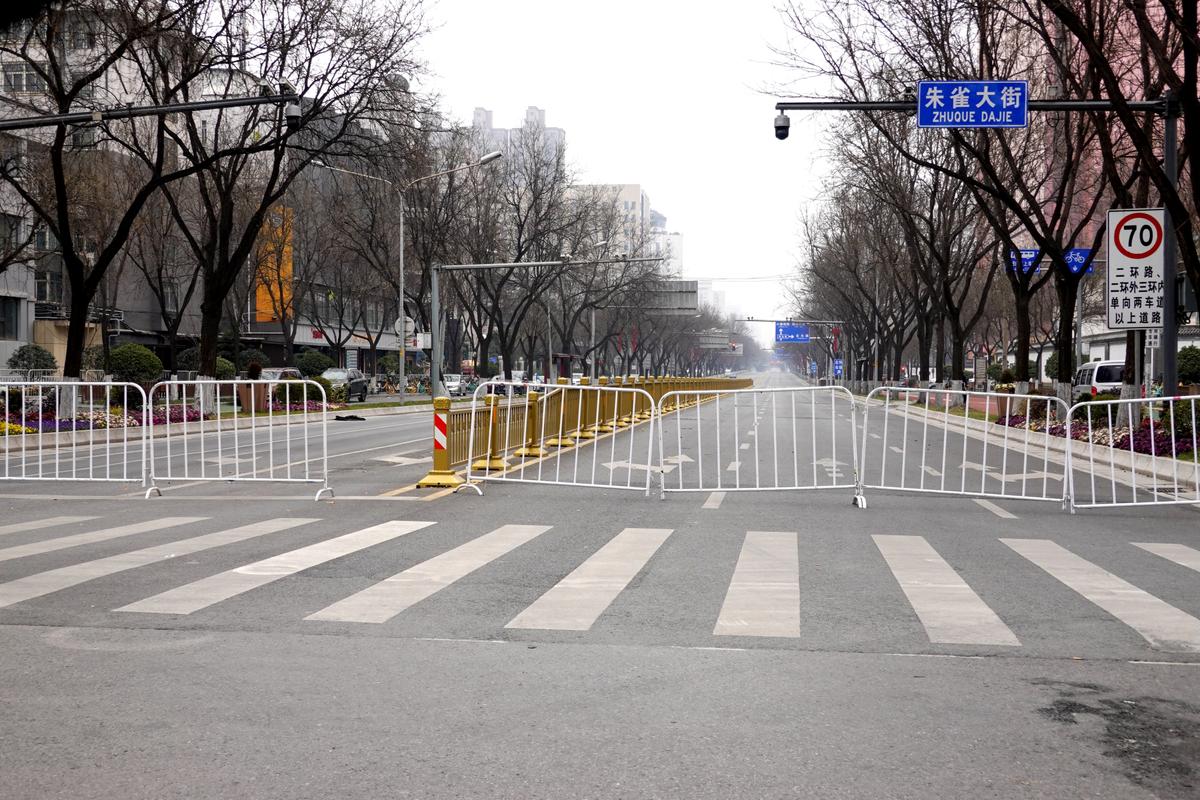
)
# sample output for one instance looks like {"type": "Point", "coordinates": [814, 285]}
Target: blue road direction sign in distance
{"type": "Point", "coordinates": [791, 332]}
{"type": "Point", "coordinates": [1076, 257]}
{"type": "Point", "coordinates": [837, 368]}
{"type": "Point", "coordinates": [973, 104]}
{"type": "Point", "coordinates": [812, 368]}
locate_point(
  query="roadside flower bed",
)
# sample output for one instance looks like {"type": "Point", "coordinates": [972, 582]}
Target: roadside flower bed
{"type": "Point", "coordinates": [1156, 442]}
{"type": "Point", "coordinates": [12, 429]}
{"type": "Point", "coordinates": [311, 405]}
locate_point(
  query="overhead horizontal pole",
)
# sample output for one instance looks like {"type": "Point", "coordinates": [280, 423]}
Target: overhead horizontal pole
{"type": "Point", "coordinates": [910, 106]}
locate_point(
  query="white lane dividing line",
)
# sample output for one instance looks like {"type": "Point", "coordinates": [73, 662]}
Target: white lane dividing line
{"type": "Point", "coordinates": [38, 524]}
{"type": "Point", "coordinates": [714, 501]}
{"type": "Point", "coordinates": [63, 542]}
{"type": "Point", "coordinates": [1161, 624]}
{"type": "Point", "coordinates": [1179, 553]}
{"type": "Point", "coordinates": [578, 600]}
{"type": "Point", "coordinates": [745, 445]}
{"type": "Point", "coordinates": [995, 509]}
{"type": "Point", "coordinates": [55, 580]}
{"type": "Point", "coordinates": [764, 594]}
{"type": "Point", "coordinates": [224, 585]}
{"type": "Point", "coordinates": [948, 608]}
{"type": "Point", "coordinates": [389, 597]}
{"type": "Point", "coordinates": [733, 466]}
{"type": "Point", "coordinates": [895, 449]}
{"type": "Point", "coordinates": [874, 435]}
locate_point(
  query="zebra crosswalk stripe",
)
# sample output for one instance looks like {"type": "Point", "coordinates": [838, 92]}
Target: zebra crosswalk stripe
{"type": "Point", "coordinates": [38, 524]}
{"type": "Point", "coordinates": [578, 600]}
{"type": "Point", "coordinates": [222, 586]}
{"type": "Point", "coordinates": [54, 580]}
{"type": "Point", "coordinates": [948, 608]}
{"type": "Point", "coordinates": [389, 597]}
{"type": "Point", "coordinates": [74, 540]}
{"type": "Point", "coordinates": [1179, 553]}
{"type": "Point", "coordinates": [764, 595]}
{"type": "Point", "coordinates": [1161, 624]}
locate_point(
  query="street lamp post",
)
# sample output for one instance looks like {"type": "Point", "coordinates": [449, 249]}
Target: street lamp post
{"type": "Point", "coordinates": [401, 317]}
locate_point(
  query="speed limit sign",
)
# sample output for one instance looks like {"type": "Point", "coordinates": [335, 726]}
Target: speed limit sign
{"type": "Point", "coordinates": [1135, 268]}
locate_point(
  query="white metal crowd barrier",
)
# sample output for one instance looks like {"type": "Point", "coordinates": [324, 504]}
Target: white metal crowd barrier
{"type": "Point", "coordinates": [759, 439]}
{"type": "Point", "coordinates": [72, 431]}
{"type": "Point", "coordinates": [572, 435]}
{"type": "Point", "coordinates": [238, 430]}
{"type": "Point", "coordinates": [967, 443]}
{"type": "Point", "coordinates": [1135, 452]}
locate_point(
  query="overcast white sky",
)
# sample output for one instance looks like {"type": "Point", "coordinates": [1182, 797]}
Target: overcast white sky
{"type": "Point", "coordinates": [663, 93]}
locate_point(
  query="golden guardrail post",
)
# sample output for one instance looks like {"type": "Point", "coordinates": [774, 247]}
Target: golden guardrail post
{"type": "Point", "coordinates": [561, 436]}
{"type": "Point", "coordinates": [533, 446]}
{"type": "Point", "coordinates": [493, 460]}
{"type": "Point", "coordinates": [605, 401]}
{"type": "Point", "coordinates": [441, 476]}
{"type": "Point", "coordinates": [587, 411]}
{"type": "Point", "coordinates": [647, 385]}
{"type": "Point", "coordinates": [624, 401]}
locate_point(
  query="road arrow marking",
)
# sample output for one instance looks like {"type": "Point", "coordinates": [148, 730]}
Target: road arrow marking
{"type": "Point", "coordinates": [614, 465]}
{"type": "Point", "coordinates": [733, 466]}
{"type": "Point", "coordinates": [403, 461]}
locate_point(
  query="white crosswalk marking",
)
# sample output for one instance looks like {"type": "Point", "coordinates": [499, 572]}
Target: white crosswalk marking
{"type": "Point", "coordinates": [389, 597]}
{"type": "Point", "coordinates": [1161, 624]}
{"type": "Point", "coordinates": [764, 594]}
{"type": "Point", "coordinates": [74, 540]}
{"type": "Point", "coordinates": [55, 580]}
{"type": "Point", "coordinates": [1179, 553]}
{"type": "Point", "coordinates": [222, 586]}
{"type": "Point", "coordinates": [38, 524]}
{"type": "Point", "coordinates": [948, 608]}
{"type": "Point", "coordinates": [579, 599]}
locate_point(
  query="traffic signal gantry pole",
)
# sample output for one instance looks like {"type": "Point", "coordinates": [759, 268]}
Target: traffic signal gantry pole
{"type": "Point", "coordinates": [1168, 107]}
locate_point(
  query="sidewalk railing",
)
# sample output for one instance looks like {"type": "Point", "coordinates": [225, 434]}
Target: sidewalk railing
{"type": "Point", "coordinates": [1134, 452]}
{"type": "Point", "coordinates": [964, 443]}
{"type": "Point", "coordinates": [759, 440]}
{"type": "Point", "coordinates": [72, 431]}
{"type": "Point", "coordinates": [277, 431]}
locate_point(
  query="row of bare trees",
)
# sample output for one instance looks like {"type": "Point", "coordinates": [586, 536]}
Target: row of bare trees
{"type": "Point", "coordinates": [237, 212]}
{"type": "Point", "coordinates": [915, 241]}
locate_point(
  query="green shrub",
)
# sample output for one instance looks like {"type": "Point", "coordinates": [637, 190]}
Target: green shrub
{"type": "Point", "coordinates": [188, 360]}
{"type": "Point", "coordinates": [225, 369]}
{"type": "Point", "coordinates": [133, 363]}
{"type": "Point", "coordinates": [32, 356]}
{"type": "Point", "coordinates": [1052, 365]}
{"type": "Point", "coordinates": [312, 363]}
{"type": "Point", "coordinates": [1007, 376]}
{"type": "Point", "coordinates": [93, 358]}
{"type": "Point", "coordinates": [389, 364]}
{"type": "Point", "coordinates": [250, 356]}
{"type": "Point", "coordinates": [1188, 363]}
{"type": "Point", "coordinates": [324, 384]}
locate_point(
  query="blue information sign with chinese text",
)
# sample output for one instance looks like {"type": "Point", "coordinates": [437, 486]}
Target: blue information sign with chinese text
{"type": "Point", "coordinates": [837, 368]}
{"type": "Point", "coordinates": [973, 104]}
{"type": "Point", "coordinates": [791, 332]}
{"type": "Point", "coordinates": [1076, 257]}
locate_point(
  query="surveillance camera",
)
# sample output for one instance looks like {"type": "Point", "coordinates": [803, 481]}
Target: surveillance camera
{"type": "Point", "coordinates": [291, 115]}
{"type": "Point", "coordinates": [286, 87]}
{"type": "Point", "coordinates": [264, 88]}
{"type": "Point", "coordinates": [782, 123]}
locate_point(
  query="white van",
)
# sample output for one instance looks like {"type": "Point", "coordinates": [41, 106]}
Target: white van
{"type": "Point", "coordinates": [1097, 377]}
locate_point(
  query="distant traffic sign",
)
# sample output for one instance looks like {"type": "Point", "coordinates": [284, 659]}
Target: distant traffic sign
{"type": "Point", "coordinates": [837, 368]}
{"type": "Point", "coordinates": [972, 104]}
{"type": "Point", "coordinates": [812, 368]}
{"type": "Point", "coordinates": [791, 332]}
{"type": "Point", "coordinates": [1076, 257]}
{"type": "Point", "coordinates": [1135, 297]}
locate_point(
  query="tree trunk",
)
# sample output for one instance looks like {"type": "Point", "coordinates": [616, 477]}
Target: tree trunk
{"type": "Point", "coordinates": [1024, 329]}
{"type": "Point", "coordinates": [210, 331]}
{"type": "Point", "coordinates": [941, 349]}
{"type": "Point", "coordinates": [923, 335]}
{"type": "Point", "coordinates": [76, 334]}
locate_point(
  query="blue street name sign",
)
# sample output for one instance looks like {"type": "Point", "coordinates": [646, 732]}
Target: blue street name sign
{"type": "Point", "coordinates": [837, 368]}
{"type": "Point", "coordinates": [973, 104]}
{"type": "Point", "coordinates": [812, 368]}
{"type": "Point", "coordinates": [1076, 257]}
{"type": "Point", "coordinates": [790, 332]}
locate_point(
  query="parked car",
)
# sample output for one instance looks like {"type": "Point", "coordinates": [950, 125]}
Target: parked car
{"type": "Point", "coordinates": [1097, 377]}
{"type": "Point", "coordinates": [455, 385]}
{"type": "Point", "coordinates": [354, 381]}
